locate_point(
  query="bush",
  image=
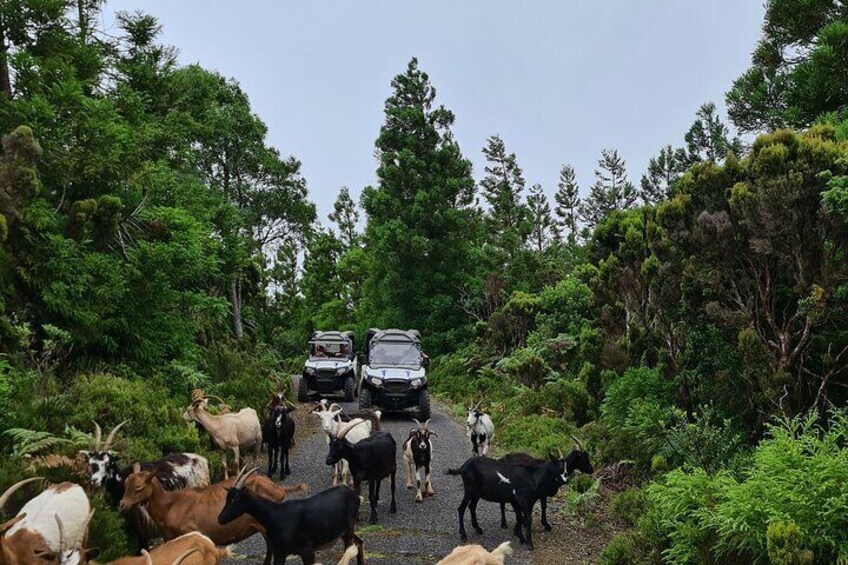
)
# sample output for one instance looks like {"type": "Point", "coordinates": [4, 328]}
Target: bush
{"type": "Point", "coordinates": [790, 504]}
{"type": "Point", "coordinates": [629, 505]}
{"type": "Point", "coordinates": [156, 424]}
{"type": "Point", "coordinates": [783, 540]}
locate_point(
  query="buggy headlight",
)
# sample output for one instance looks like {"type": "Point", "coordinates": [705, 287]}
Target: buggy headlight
{"type": "Point", "coordinates": [342, 370]}
{"type": "Point", "coordinates": [309, 371]}
{"type": "Point", "coordinates": [376, 381]}
{"type": "Point", "coordinates": [416, 383]}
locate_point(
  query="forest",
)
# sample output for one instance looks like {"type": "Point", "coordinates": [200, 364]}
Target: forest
{"type": "Point", "coordinates": [689, 323]}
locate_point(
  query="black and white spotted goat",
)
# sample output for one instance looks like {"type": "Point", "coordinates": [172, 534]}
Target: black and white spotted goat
{"type": "Point", "coordinates": [480, 430]}
{"type": "Point", "coordinates": [175, 471]}
{"type": "Point", "coordinates": [418, 453]}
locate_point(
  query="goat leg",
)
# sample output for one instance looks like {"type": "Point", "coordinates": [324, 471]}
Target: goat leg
{"type": "Point", "coordinates": [393, 507]}
{"type": "Point", "coordinates": [544, 503]}
{"type": "Point", "coordinates": [372, 498]}
{"type": "Point", "coordinates": [474, 523]}
{"type": "Point", "coordinates": [461, 511]}
{"type": "Point", "coordinates": [503, 515]}
{"type": "Point", "coordinates": [419, 497]}
{"type": "Point", "coordinates": [428, 485]}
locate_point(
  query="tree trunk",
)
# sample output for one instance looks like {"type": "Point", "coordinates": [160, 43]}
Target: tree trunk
{"type": "Point", "coordinates": [5, 78]}
{"type": "Point", "coordinates": [235, 301]}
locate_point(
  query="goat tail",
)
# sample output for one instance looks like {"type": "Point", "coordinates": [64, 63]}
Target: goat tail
{"type": "Point", "coordinates": [502, 550]}
{"type": "Point", "coordinates": [225, 551]}
{"type": "Point", "coordinates": [453, 472]}
{"type": "Point", "coordinates": [300, 487]}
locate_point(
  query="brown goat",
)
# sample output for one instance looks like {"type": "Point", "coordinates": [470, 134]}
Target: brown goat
{"type": "Point", "coordinates": [196, 509]}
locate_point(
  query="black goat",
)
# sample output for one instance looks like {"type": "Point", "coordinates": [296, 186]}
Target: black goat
{"type": "Point", "coordinates": [577, 460]}
{"type": "Point", "coordinates": [371, 459]}
{"type": "Point", "coordinates": [298, 526]}
{"type": "Point", "coordinates": [418, 453]}
{"type": "Point", "coordinates": [517, 485]}
{"type": "Point", "coordinates": [175, 471]}
{"type": "Point", "coordinates": [277, 434]}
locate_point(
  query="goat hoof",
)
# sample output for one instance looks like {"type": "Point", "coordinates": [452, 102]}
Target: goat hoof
{"type": "Point", "coordinates": [547, 527]}
{"type": "Point", "coordinates": [409, 487]}
{"type": "Point", "coordinates": [393, 508]}
{"type": "Point", "coordinates": [372, 519]}
{"type": "Point", "coordinates": [419, 498]}
{"type": "Point", "coordinates": [463, 537]}
{"type": "Point", "coordinates": [504, 526]}
{"type": "Point", "coordinates": [479, 530]}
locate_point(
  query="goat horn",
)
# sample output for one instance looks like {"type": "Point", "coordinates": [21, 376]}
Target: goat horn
{"type": "Point", "coordinates": [577, 441]}
{"type": "Point", "coordinates": [417, 423]}
{"type": "Point", "coordinates": [427, 423]}
{"type": "Point", "coordinates": [218, 398]}
{"type": "Point", "coordinates": [341, 435]}
{"type": "Point", "coordinates": [147, 559]}
{"type": "Point", "coordinates": [182, 557]}
{"type": "Point", "coordinates": [85, 529]}
{"type": "Point", "coordinates": [243, 478]}
{"type": "Point", "coordinates": [11, 490]}
{"type": "Point", "coordinates": [559, 451]}
{"type": "Point", "coordinates": [61, 527]}
{"type": "Point", "coordinates": [98, 433]}
{"type": "Point", "coordinates": [111, 437]}
{"type": "Point", "coordinates": [6, 525]}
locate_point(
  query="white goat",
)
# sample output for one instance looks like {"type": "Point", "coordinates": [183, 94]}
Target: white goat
{"type": "Point", "coordinates": [35, 531]}
{"type": "Point", "coordinates": [331, 425]}
{"type": "Point", "coordinates": [239, 432]}
{"type": "Point", "coordinates": [480, 430]}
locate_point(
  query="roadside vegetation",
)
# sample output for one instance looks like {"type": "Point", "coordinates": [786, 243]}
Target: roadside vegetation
{"type": "Point", "coordinates": [690, 327]}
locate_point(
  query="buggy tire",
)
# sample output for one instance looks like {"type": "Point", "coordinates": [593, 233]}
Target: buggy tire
{"type": "Point", "coordinates": [423, 406]}
{"type": "Point", "coordinates": [349, 389]}
{"type": "Point", "coordinates": [303, 390]}
{"type": "Point", "coordinates": [365, 399]}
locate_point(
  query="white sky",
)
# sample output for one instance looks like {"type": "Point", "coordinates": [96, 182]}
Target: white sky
{"type": "Point", "coordinates": [558, 79]}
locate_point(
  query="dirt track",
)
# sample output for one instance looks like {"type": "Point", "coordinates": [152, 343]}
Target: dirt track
{"type": "Point", "coordinates": [419, 533]}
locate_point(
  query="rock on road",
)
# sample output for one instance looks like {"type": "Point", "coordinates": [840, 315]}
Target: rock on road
{"type": "Point", "coordinates": [420, 533]}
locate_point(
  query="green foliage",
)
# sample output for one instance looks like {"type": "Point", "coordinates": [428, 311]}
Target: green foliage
{"type": "Point", "coordinates": [784, 542]}
{"type": "Point", "coordinates": [797, 70]}
{"type": "Point", "coordinates": [419, 224]}
{"type": "Point", "coordinates": [788, 505]}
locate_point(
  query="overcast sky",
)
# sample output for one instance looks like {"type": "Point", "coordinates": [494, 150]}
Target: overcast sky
{"type": "Point", "coordinates": [558, 79]}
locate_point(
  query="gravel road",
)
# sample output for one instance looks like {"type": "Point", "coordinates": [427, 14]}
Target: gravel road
{"type": "Point", "coordinates": [420, 533]}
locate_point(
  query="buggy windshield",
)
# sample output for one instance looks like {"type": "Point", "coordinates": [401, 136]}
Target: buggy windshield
{"type": "Point", "coordinates": [329, 350]}
{"type": "Point", "coordinates": [394, 353]}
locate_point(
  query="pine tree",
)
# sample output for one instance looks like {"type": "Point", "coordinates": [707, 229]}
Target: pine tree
{"type": "Point", "coordinates": [709, 139]}
{"type": "Point", "coordinates": [346, 216]}
{"type": "Point", "coordinates": [611, 191]}
{"type": "Point", "coordinates": [542, 226]}
{"type": "Point", "coordinates": [663, 171]}
{"type": "Point", "coordinates": [502, 188]}
{"type": "Point", "coordinates": [568, 202]}
{"type": "Point", "coordinates": [420, 229]}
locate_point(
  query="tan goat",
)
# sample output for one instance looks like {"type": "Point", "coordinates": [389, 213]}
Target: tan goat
{"type": "Point", "coordinates": [239, 432]}
{"type": "Point", "coordinates": [477, 555]}
{"type": "Point", "coordinates": [196, 509]}
{"type": "Point", "coordinates": [189, 549]}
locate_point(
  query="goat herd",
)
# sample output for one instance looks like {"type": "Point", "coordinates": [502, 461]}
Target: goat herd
{"type": "Point", "coordinates": [199, 519]}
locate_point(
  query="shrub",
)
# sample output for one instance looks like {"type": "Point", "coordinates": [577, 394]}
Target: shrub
{"type": "Point", "coordinates": [156, 424]}
{"type": "Point", "coordinates": [629, 505]}
{"type": "Point", "coordinates": [790, 504]}
{"type": "Point", "coordinates": [784, 543]}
